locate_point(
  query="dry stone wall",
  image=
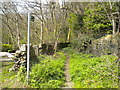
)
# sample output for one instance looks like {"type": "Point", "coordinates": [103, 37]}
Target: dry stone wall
{"type": "Point", "coordinates": [109, 44]}
{"type": "Point", "coordinates": [35, 51]}
{"type": "Point", "coordinates": [21, 56]}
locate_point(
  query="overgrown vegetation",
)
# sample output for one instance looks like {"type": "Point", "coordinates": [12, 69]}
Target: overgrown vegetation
{"type": "Point", "coordinates": [6, 47]}
{"type": "Point", "coordinates": [77, 23]}
{"type": "Point", "coordinates": [88, 71]}
{"type": "Point", "coordinates": [59, 23]}
{"type": "Point", "coordinates": [10, 79]}
{"type": "Point", "coordinates": [82, 43]}
{"type": "Point", "coordinates": [49, 73]}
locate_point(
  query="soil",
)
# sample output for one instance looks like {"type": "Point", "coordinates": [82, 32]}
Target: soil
{"type": "Point", "coordinates": [69, 83]}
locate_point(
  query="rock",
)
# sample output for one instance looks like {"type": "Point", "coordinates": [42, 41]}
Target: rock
{"type": "Point", "coordinates": [20, 58]}
{"type": "Point", "coordinates": [6, 54]}
{"type": "Point", "coordinates": [23, 53]}
{"type": "Point", "coordinates": [23, 61]}
{"type": "Point", "coordinates": [24, 57]}
{"type": "Point", "coordinates": [11, 69]}
{"type": "Point", "coordinates": [17, 61]}
{"type": "Point", "coordinates": [109, 44]}
{"type": "Point", "coordinates": [18, 52]}
{"type": "Point", "coordinates": [23, 47]}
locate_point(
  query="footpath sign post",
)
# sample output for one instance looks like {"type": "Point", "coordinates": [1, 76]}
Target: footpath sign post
{"type": "Point", "coordinates": [30, 18]}
{"type": "Point", "coordinates": [28, 46]}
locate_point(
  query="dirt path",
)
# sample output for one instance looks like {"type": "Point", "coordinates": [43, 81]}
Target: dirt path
{"type": "Point", "coordinates": [68, 83]}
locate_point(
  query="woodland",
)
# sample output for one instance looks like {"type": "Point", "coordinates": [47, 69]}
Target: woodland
{"type": "Point", "coordinates": [76, 23]}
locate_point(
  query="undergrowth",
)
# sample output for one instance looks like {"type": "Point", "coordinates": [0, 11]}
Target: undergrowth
{"type": "Point", "coordinates": [88, 71]}
{"type": "Point", "coordinates": [10, 79]}
{"type": "Point", "coordinates": [49, 73]}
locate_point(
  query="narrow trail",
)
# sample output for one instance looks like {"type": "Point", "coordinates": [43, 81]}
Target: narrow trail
{"type": "Point", "coordinates": [68, 83]}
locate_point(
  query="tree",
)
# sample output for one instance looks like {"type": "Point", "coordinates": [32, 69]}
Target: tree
{"type": "Point", "coordinates": [11, 19]}
{"type": "Point", "coordinates": [98, 18]}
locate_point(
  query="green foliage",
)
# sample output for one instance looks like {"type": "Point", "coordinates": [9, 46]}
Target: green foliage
{"type": "Point", "coordinates": [82, 43]}
{"type": "Point", "coordinates": [5, 67]}
{"type": "Point", "coordinates": [49, 73]}
{"type": "Point", "coordinates": [7, 77]}
{"type": "Point", "coordinates": [6, 47]}
{"type": "Point", "coordinates": [96, 19]}
{"type": "Point", "coordinates": [94, 72]}
{"type": "Point", "coordinates": [41, 57]}
{"type": "Point", "coordinates": [72, 20]}
{"type": "Point", "coordinates": [23, 41]}
{"type": "Point", "coordinates": [69, 50]}
{"type": "Point", "coordinates": [12, 79]}
{"type": "Point", "coordinates": [74, 23]}
{"type": "Point", "coordinates": [21, 74]}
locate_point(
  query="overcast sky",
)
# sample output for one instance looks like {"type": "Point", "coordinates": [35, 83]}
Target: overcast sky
{"type": "Point", "coordinates": [22, 2]}
{"type": "Point", "coordinates": [60, 1]}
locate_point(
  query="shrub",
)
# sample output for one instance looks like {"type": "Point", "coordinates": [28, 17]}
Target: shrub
{"type": "Point", "coordinates": [82, 43]}
{"type": "Point", "coordinates": [6, 47]}
{"type": "Point", "coordinates": [69, 50]}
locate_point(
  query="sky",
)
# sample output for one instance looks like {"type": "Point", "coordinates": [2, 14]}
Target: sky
{"type": "Point", "coordinates": [64, 0]}
{"type": "Point", "coordinates": [22, 3]}
{"type": "Point", "coordinates": [43, 1]}
{"type": "Point", "coordinates": [60, 1]}
{"type": "Point", "coordinates": [29, 0]}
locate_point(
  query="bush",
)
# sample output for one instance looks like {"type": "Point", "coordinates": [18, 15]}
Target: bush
{"type": "Point", "coordinates": [94, 72]}
{"type": "Point", "coordinates": [6, 47]}
{"type": "Point", "coordinates": [69, 50]}
{"type": "Point", "coordinates": [82, 43]}
{"type": "Point", "coordinates": [49, 73]}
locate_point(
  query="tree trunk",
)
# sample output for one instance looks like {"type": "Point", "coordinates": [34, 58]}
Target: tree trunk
{"type": "Point", "coordinates": [68, 36]}
{"type": "Point", "coordinates": [42, 21]}
{"type": "Point", "coordinates": [41, 33]}
{"type": "Point", "coordinates": [118, 26]}
{"type": "Point", "coordinates": [114, 25]}
{"type": "Point", "coordinates": [18, 33]}
{"type": "Point", "coordinates": [55, 46]}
